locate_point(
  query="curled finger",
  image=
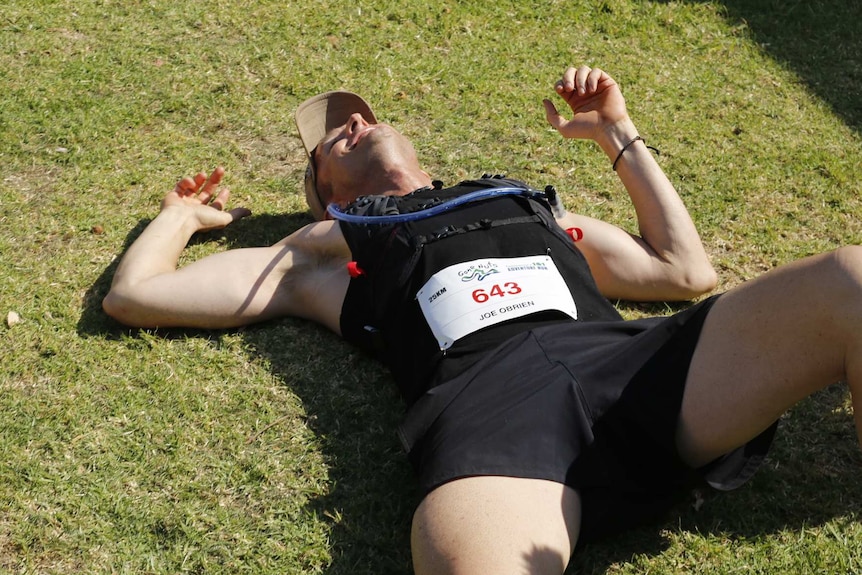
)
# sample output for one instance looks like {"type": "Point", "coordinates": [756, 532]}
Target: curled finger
{"type": "Point", "coordinates": [200, 178]}
{"type": "Point", "coordinates": [185, 187]}
{"type": "Point", "coordinates": [213, 180]}
{"type": "Point", "coordinates": [221, 198]}
{"type": "Point", "coordinates": [567, 82]}
{"type": "Point", "coordinates": [593, 79]}
{"type": "Point", "coordinates": [581, 79]}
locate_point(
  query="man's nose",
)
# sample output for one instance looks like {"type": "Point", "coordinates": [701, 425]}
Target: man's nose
{"type": "Point", "coordinates": [356, 122]}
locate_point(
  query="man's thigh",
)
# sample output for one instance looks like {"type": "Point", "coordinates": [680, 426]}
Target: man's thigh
{"type": "Point", "coordinates": [499, 525]}
{"type": "Point", "coordinates": [765, 346]}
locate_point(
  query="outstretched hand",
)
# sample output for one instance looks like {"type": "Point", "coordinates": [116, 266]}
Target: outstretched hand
{"type": "Point", "coordinates": [595, 100]}
{"type": "Point", "coordinates": [202, 195]}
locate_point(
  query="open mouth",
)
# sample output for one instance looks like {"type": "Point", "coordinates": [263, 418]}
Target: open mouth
{"type": "Point", "coordinates": [360, 134]}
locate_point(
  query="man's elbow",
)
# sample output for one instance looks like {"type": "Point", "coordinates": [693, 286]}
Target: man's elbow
{"type": "Point", "coordinates": [122, 309]}
{"type": "Point", "coordinates": [698, 280]}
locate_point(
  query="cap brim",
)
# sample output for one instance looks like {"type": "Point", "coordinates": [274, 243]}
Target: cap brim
{"type": "Point", "coordinates": [324, 112]}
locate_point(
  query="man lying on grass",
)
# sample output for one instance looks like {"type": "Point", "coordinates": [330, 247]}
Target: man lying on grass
{"type": "Point", "coordinates": [535, 415]}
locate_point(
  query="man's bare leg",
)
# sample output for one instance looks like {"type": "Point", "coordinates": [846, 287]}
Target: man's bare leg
{"type": "Point", "coordinates": [768, 344]}
{"type": "Point", "coordinates": [500, 525]}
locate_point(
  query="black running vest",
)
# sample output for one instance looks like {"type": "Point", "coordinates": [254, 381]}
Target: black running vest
{"type": "Point", "coordinates": [393, 261]}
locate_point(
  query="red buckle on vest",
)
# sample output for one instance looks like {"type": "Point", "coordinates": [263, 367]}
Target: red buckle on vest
{"type": "Point", "coordinates": [575, 233]}
{"type": "Point", "coordinates": [354, 270]}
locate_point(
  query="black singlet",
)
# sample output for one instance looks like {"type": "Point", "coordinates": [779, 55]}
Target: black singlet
{"type": "Point", "coordinates": [380, 313]}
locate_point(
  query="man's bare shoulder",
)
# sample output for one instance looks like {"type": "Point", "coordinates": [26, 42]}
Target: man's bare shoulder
{"type": "Point", "coordinates": [311, 273]}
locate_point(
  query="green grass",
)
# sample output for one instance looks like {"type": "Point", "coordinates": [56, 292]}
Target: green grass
{"type": "Point", "coordinates": [271, 449]}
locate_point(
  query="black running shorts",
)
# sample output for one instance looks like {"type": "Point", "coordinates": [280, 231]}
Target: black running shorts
{"type": "Point", "coordinates": [592, 405]}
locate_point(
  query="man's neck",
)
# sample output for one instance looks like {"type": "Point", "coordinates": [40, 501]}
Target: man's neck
{"type": "Point", "coordinates": [402, 183]}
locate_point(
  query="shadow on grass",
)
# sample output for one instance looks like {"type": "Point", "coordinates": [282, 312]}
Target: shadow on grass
{"type": "Point", "coordinates": [94, 321]}
{"type": "Point", "coordinates": [818, 40]}
{"type": "Point", "coordinates": [353, 408]}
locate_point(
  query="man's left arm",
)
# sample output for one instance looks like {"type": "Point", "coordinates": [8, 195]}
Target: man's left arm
{"type": "Point", "coordinates": [667, 261]}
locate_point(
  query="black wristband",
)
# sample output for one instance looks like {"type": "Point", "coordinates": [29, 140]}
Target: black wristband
{"type": "Point", "coordinates": [626, 147]}
{"type": "Point", "coordinates": [629, 143]}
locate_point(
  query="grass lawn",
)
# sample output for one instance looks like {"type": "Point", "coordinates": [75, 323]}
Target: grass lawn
{"type": "Point", "coordinates": [271, 449]}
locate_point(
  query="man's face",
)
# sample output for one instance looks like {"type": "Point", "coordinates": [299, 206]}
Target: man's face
{"type": "Point", "coordinates": [353, 159]}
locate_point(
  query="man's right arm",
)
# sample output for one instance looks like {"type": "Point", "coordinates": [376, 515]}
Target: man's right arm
{"type": "Point", "coordinates": [300, 276]}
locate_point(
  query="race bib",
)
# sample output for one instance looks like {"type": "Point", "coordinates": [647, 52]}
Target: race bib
{"type": "Point", "coordinates": [469, 296]}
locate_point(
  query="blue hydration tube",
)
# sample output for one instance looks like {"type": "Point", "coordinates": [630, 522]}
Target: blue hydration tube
{"type": "Point", "coordinates": [336, 213]}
